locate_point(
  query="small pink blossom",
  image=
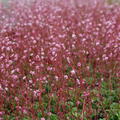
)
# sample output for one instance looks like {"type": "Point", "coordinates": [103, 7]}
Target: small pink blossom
{"type": "Point", "coordinates": [42, 118]}
{"type": "Point", "coordinates": [1, 113]}
{"type": "Point", "coordinates": [73, 72]}
{"type": "Point", "coordinates": [49, 113]}
{"type": "Point", "coordinates": [85, 94]}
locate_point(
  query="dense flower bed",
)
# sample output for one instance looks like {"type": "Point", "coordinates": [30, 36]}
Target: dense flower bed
{"type": "Point", "coordinates": [59, 61]}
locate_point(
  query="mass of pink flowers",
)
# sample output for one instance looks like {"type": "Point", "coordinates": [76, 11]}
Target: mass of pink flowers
{"type": "Point", "coordinates": [58, 45]}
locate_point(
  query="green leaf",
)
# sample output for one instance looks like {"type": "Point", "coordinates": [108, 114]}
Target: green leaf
{"type": "Point", "coordinates": [36, 106]}
{"type": "Point", "coordinates": [115, 106]}
{"type": "Point", "coordinates": [74, 109]}
{"type": "Point", "coordinates": [25, 118]}
{"type": "Point", "coordinates": [47, 88]}
{"type": "Point", "coordinates": [39, 115]}
{"type": "Point", "coordinates": [53, 117]}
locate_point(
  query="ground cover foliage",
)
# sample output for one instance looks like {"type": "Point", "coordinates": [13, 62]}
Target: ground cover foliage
{"type": "Point", "coordinates": [59, 61]}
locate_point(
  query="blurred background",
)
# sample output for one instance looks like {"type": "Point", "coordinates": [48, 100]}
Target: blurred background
{"type": "Point", "coordinates": [83, 1]}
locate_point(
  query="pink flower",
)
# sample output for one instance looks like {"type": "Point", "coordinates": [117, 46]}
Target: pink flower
{"type": "Point", "coordinates": [42, 118]}
{"type": "Point", "coordinates": [78, 102]}
{"type": "Point", "coordinates": [49, 113]}
{"type": "Point", "coordinates": [24, 111]}
{"type": "Point", "coordinates": [85, 94]}
{"type": "Point", "coordinates": [72, 72]}
{"type": "Point", "coordinates": [1, 112]}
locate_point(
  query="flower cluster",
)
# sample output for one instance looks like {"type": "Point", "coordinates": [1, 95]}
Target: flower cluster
{"type": "Point", "coordinates": [50, 49]}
